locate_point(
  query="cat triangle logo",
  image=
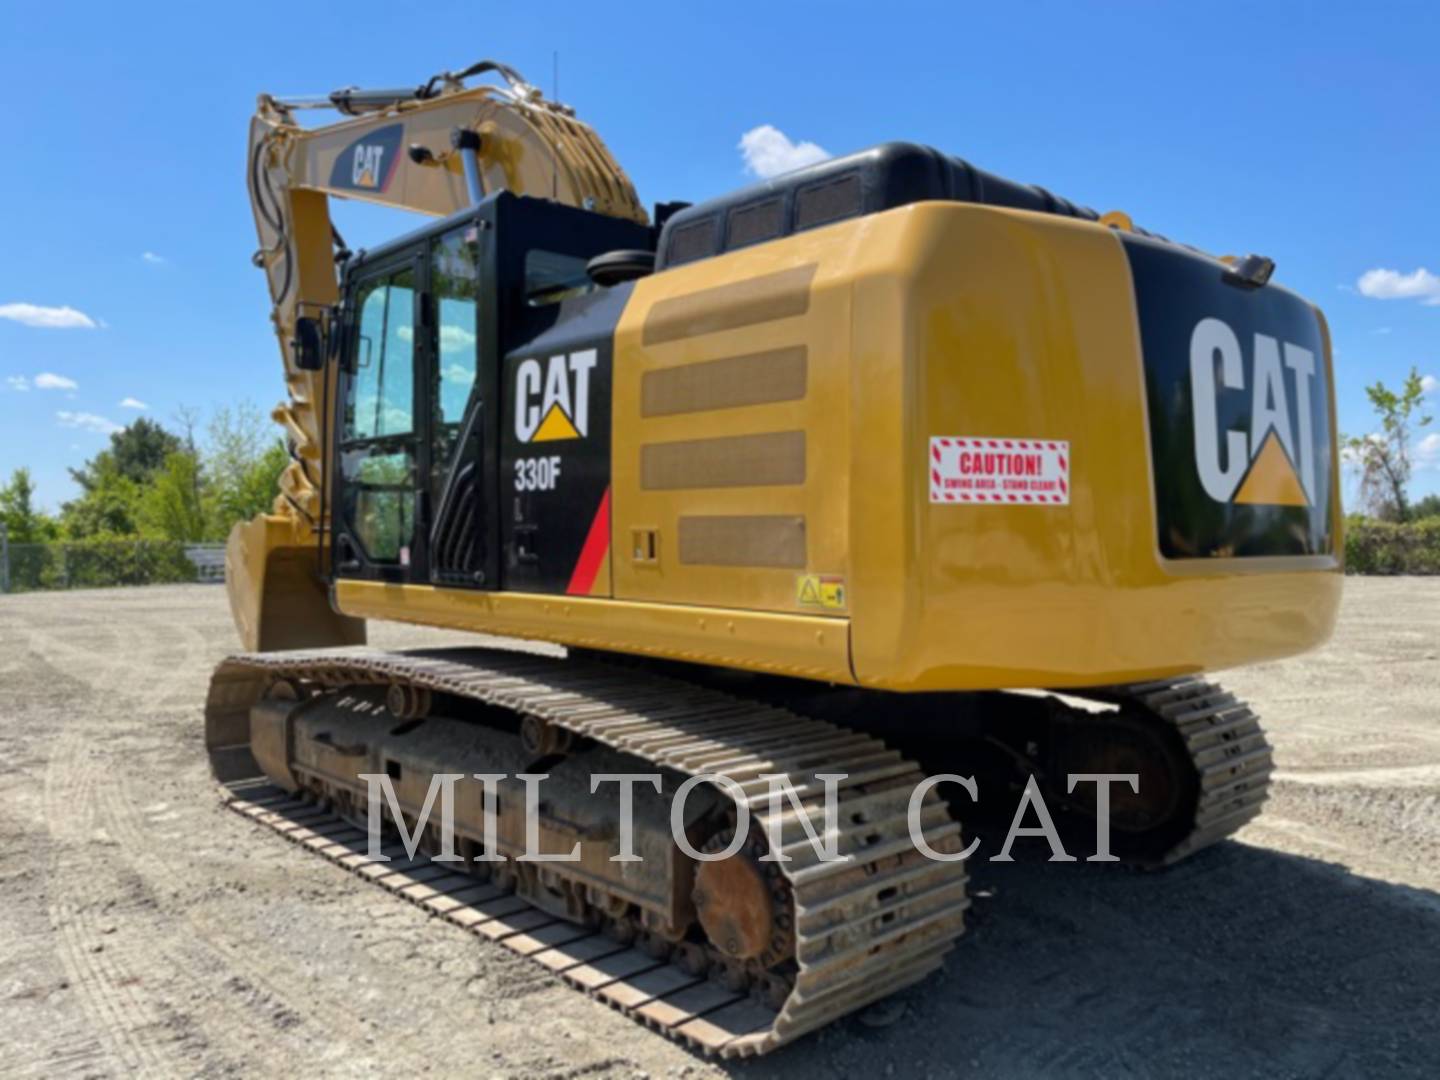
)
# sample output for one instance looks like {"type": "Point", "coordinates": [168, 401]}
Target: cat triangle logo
{"type": "Point", "coordinates": [555, 426]}
{"type": "Point", "coordinates": [1273, 462]}
{"type": "Point", "coordinates": [1271, 480]}
{"type": "Point", "coordinates": [552, 398]}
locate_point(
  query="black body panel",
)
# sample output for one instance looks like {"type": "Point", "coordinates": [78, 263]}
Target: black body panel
{"type": "Point", "coordinates": [555, 443]}
{"type": "Point", "coordinates": [1239, 409]}
{"type": "Point", "coordinates": [881, 178]}
{"type": "Point", "coordinates": [436, 329]}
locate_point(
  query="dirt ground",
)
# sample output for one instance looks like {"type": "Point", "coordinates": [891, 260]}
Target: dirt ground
{"type": "Point", "coordinates": [144, 930]}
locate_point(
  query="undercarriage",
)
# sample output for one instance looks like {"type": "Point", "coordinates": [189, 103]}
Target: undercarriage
{"type": "Point", "coordinates": [738, 954]}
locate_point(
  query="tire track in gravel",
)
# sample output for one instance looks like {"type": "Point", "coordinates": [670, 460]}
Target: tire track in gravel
{"type": "Point", "coordinates": [120, 982]}
{"type": "Point", "coordinates": [253, 985]}
{"type": "Point", "coordinates": [107, 983]}
{"type": "Point", "coordinates": [189, 967]}
{"type": "Point", "coordinates": [261, 979]}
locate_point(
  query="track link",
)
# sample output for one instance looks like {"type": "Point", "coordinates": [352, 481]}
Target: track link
{"type": "Point", "coordinates": [864, 928]}
{"type": "Point", "coordinates": [1228, 750]}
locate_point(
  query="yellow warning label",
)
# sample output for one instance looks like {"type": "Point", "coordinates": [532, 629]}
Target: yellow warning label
{"type": "Point", "coordinates": [818, 590]}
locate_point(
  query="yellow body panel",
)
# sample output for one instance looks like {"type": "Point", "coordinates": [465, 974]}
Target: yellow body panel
{"type": "Point", "coordinates": [805, 647]}
{"type": "Point", "coordinates": [817, 550]}
{"type": "Point", "coordinates": [1031, 334]}
{"type": "Point", "coordinates": [793, 295]}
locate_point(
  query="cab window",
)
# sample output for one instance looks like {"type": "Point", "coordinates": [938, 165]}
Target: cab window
{"type": "Point", "coordinates": [380, 400]}
{"type": "Point", "coordinates": [377, 451]}
{"type": "Point", "coordinates": [551, 277]}
{"type": "Point", "coordinates": [455, 283]}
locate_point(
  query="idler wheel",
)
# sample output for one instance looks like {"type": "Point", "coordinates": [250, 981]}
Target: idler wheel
{"type": "Point", "coordinates": [743, 904]}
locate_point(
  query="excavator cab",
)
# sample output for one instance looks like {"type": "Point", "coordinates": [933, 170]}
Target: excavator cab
{"type": "Point", "coordinates": [433, 329]}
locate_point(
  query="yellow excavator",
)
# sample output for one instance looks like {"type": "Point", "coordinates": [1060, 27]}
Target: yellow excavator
{"type": "Point", "coordinates": [881, 469]}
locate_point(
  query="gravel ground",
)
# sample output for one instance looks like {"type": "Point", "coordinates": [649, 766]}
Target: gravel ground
{"type": "Point", "coordinates": [144, 930]}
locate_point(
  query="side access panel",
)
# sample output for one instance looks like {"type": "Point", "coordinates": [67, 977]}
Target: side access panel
{"type": "Point", "coordinates": [732, 430]}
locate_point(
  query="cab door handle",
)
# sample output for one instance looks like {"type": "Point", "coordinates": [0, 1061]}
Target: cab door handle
{"type": "Point", "coordinates": [526, 544]}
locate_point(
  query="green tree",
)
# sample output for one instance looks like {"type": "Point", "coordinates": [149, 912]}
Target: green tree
{"type": "Point", "coordinates": [243, 463]}
{"type": "Point", "coordinates": [108, 504]}
{"type": "Point", "coordinates": [1428, 507]}
{"type": "Point", "coordinates": [136, 451]}
{"type": "Point", "coordinates": [24, 524]}
{"type": "Point", "coordinates": [170, 504]}
{"type": "Point", "coordinates": [260, 483]}
{"type": "Point", "coordinates": [1383, 457]}
{"type": "Point", "coordinates": [113, 481]}
{"type": "Point", "coordinates": [150, 482]}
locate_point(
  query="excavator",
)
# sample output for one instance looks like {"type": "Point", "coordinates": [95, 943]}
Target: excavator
{"type": "Point", "coordinates": [883, 469]}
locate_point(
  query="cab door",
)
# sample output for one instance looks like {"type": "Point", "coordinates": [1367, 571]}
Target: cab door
{"type": "Point", "coordinates": [459, 453]}
{"type": "Point", "coordinates": [378, 445]}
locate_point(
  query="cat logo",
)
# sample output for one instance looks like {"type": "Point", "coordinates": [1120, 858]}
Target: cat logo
{"type": "Point", "coordinates": [552, 400]}
{"type": "Point", "coordinates": [365, 166]}
{"type": "Point", "coordinates": [1273, 464]}
{"type": "Point", "coordinates": [370, 162]}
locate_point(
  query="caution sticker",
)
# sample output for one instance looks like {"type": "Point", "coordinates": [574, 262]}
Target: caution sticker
{"type": "Point", "coordinates": [819, 590]}
{"type": "Point", "coordinates": [1033, 472]}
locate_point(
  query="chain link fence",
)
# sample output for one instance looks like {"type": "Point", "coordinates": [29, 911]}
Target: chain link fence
{"type": "Point", "coordinates": [93, 564]}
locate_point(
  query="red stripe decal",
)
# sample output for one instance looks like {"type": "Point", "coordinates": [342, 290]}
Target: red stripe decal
{"type": "Point", "coordinates": [597, 543]}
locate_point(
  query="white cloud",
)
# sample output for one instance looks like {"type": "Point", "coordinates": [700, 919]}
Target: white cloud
{"type": "Point", "coordinates": [18, 382]}
{"type": "Point", "coordinates": [452, 338]}
{"type": "Point", "coordinates": [87, 422]}
{"type": "Point", "coordinates": [1381, 330]}
{"type": "Point", "coordinates": [153, 259]}
{"type": "Point", "coordinates": [48, 380]}
{"type": "Point", "coordinates": [49, 318]}
{"type": "Point", "coordinates": [1428, 384]}
{"type": "Point", "coordinates": [455, 339]}
{"type": "Point", "coordinates": [1427, 452]}
{"type": "Point", "coordinates": [1381, 284]}
{"type": "Point", "coordinates": [1350, 456]}
{"type": "Point", "coordinates": [769, 152]}
{"type": "Point", "coordinates": [133, 403]}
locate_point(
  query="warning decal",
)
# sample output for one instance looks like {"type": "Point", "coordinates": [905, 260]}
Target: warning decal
{"type": "Point", "coordinates": [820, 590]}
{"type": "Point", "coordinates": [1020, 471]}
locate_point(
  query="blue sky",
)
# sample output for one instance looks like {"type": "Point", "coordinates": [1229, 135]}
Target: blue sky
{"type": "Point", "coordinates": [1308, 132]}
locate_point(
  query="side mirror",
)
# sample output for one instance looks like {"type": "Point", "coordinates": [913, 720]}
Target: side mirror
{"type": "Point", "coordinates": [309, 344]}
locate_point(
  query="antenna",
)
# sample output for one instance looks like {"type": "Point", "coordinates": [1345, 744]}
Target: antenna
{"type": "Point", "coordinates": [555, 97]}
